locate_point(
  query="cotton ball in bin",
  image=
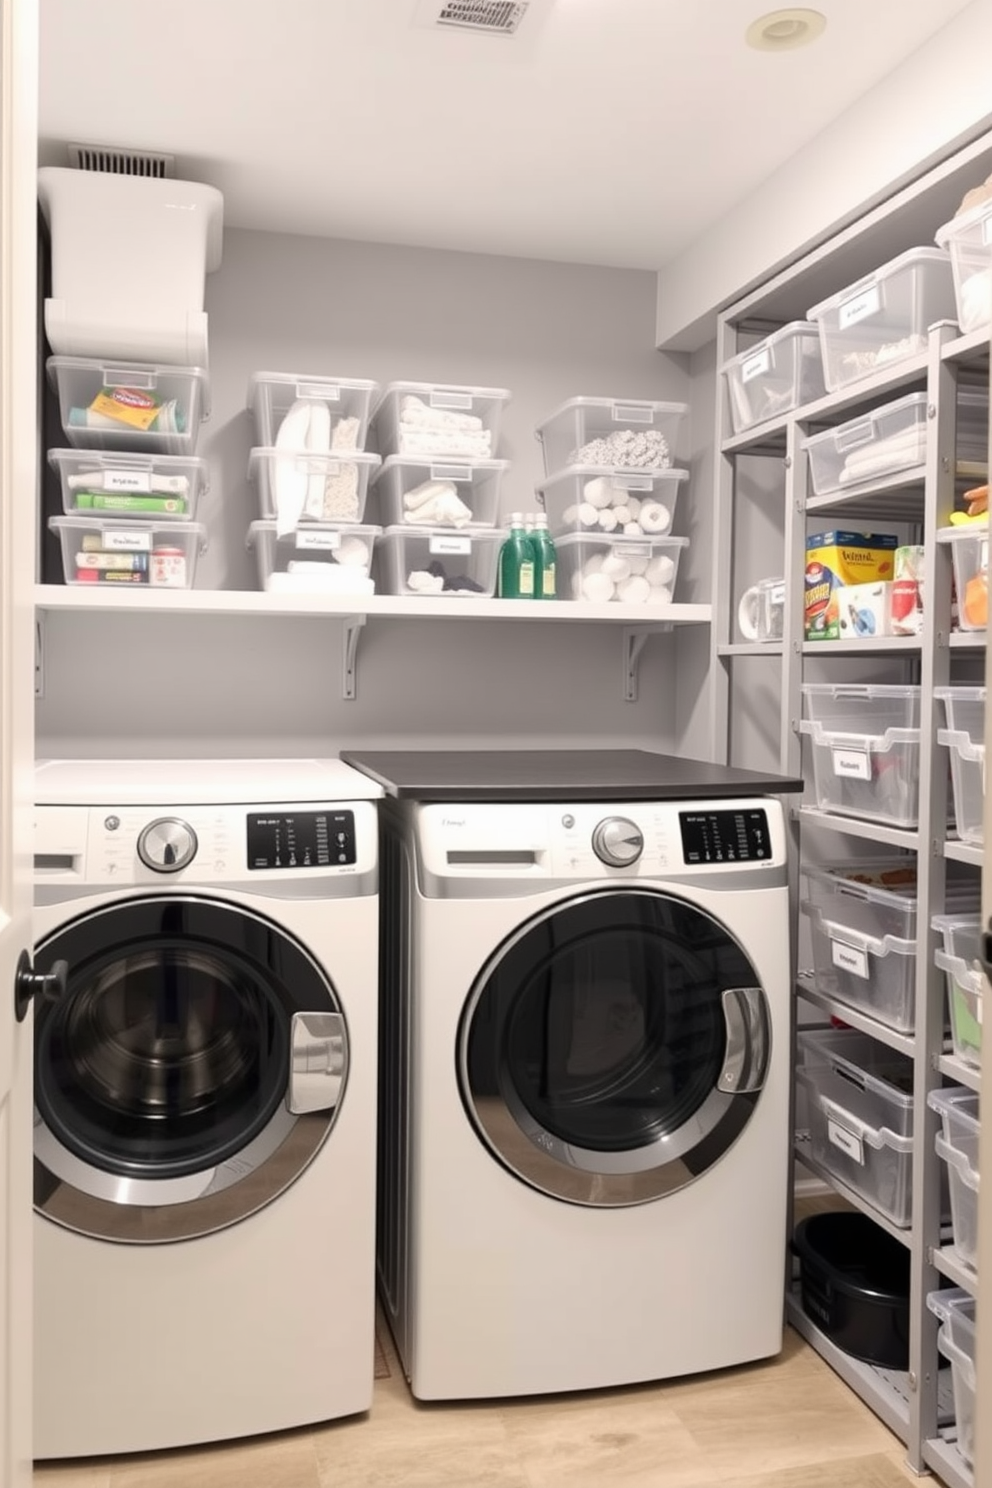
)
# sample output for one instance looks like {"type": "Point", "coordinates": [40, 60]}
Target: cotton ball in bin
{"type": "Point", "coordinates": [660, 570]}
{"type": "Point", "coordinates": [597, 587]}
{"type": "Point", "coordinates": [634, 590]}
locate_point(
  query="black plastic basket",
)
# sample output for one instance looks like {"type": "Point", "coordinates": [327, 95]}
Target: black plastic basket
{"type": "Point", "coordinates": [854, 1280]}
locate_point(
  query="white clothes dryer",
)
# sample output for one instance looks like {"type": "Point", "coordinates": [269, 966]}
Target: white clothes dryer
{"type": "Point", "coordinates": [585, 1086]}
{"type": "Point", "coordinates": [205, 1100]}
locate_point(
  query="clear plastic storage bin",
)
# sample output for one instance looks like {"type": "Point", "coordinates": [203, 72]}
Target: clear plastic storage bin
{"type": "Point", "coordinates": [970, 557]}
{"type": "Point", "coordinates": [956, 1339]}
{"type": "Point", "coordinates": [863, 923]}
{"type": "Point", "coordinates": [865, 742]}
{"type": "Point", "coordinates": [968, 239]}
{"type": "Point", "coordinates": [884, 317]}
{"type": "Point", "coordinates": [129, 405]}
{"type": "Point", "coordinates": [860, 1111]}
{"type": "Point", "coordinates": [870, 447]}
{"type": "Point", "coordinates": [629, 570]}
{"type": "Point", "coordinates": [109, 552]}
{"type": "Point", "coordinates": [162, 487]}
{"type": "Point", "coordinates": [957, 1148]}
{"type": "Point", "coordinates": [586, 498]}
{"type": "Point", "coordinates": [425, 493]}
{"type": "Point", "coordinates": [780, 373]}
{"type": "Point", "coordinates": [435, 562]}
{"type": "Point", "coordinates": [424, 420]}
{"type": "Point", "coordinates": [964, 738]}
{"type": "Point", "coordinates": [318, 559]}
{"type": "Point", "coordinates": [611, 434]}
{"type": "Point", "coordinates": [309, 487]}
{"type": "Point", "coordinates": [331, 410]}
{"type": "Point", "coordinates": [960, 959]}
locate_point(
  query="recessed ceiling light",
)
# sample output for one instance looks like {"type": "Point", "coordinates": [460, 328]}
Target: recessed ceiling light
{"type": "Point", "coordinates": [783, 30]}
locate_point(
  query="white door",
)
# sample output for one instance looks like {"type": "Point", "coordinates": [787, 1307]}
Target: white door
{"type": "Point", "coordinates": [18, 481]}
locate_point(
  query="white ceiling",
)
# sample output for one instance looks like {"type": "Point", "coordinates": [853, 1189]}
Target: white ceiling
{"type": "Point", "coordinates": [606, 131]}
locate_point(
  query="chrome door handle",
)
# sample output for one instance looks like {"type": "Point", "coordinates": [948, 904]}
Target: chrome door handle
{"type": "Point", "coordinates": [318, 1062]}
{"type": "Point", "coordinates": [746, 1060]}
{"type": "Point", "coordinates": [49, 986]}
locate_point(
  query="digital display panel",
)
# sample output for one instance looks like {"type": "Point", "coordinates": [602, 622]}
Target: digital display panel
{"type": "Point", "coordinates": [725, 836]}
{"type": "Point", "coordinates": [301, 839]}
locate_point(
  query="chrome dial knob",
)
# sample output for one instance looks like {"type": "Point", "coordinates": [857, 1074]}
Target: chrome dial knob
{"type": "Point", "coordinates": [617, 842]}
{"type": "Point", "coordinates": [167, 845]}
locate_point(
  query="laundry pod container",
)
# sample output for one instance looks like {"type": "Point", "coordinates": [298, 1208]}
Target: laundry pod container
{"type": "Point", "coordinates": [129, 259]}
{"type": "Point", "coordinates": [854, 1285]}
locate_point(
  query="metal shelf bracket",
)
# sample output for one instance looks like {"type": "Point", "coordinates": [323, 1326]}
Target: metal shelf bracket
{"type": "Point", "coordinates": [352, 629]}
{"type": "Point", "coordinates": [39, 653]}
{"type": "Point", "coordinates": [634, 638]}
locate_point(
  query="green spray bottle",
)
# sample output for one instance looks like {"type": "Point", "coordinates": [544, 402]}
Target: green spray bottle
{"type": "Point", "coordinates": [516, 562]}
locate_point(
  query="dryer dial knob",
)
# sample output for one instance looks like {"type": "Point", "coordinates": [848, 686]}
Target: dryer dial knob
{"type": "Point", "coordinates": [617, 842]}
{"type": "Point", "coordinates": [167, 845]}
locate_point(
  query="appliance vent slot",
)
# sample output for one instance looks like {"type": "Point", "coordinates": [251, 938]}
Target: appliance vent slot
{"type": "Point", "coordinates": [121, 162]}
{"type": "Point", "coordinates": [495, 17]}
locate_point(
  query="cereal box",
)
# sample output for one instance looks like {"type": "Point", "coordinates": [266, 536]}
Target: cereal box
{"type": "Point", "coordinates": [841, 560]}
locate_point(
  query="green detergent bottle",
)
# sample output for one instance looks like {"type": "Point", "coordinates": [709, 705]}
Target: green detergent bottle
{"type": "Point", "coordinates": [544, 559]}
{"type": "Point", "coordinates": [516, 562]}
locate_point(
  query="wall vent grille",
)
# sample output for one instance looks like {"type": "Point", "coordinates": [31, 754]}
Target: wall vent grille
{"type": "Point", "coordinates": [122, 162]}
{"type": "Point", "coordinates": [495, 17]}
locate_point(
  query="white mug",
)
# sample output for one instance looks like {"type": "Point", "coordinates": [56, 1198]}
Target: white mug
{"type": "Point", "coordinates": [761, 609]}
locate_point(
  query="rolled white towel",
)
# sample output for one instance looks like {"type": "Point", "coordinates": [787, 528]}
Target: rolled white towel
{"type": "Point", "coordinates": [660, 594]}
{"type": "Point", "coordinates": [622, 514]}
{"type": "Point", "coordinates": [638, 565]}
{"type": "Point", "coordinates": [660, 570]}
{"type": "Point", "coordinates": [588, 514]}
{"type": "Point", "coordinates": [633, 506]}
{"type": "Point", "coordinates": [598, 491]}
{"type": "Point", "coordinates": [633, 529]}
{"type": "Point", "coordinates": [570, 516]}
{"type": "Point", "coordinates": [654, 517]}
{"type": "Point", "coordinates": [427, 491]}
{"type": "Point", "coordinates": [593, 563]}
{"type": "Point", "coordinates": [608, 519]}
{"type": "Point", "coordinates": [598, 588]}
{"type": "Point", "coordinates": [634, 590]}
{"type": "Point", "coordinates": [353, 552]}
{"type": "Point", "coordinates": [616, 568]}
{"type": "Point", "coordinates": [414, 410]}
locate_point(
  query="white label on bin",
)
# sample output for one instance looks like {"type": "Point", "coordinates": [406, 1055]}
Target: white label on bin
{"type": "Point", "coordinates": [326, 540]}
{"type": "Point", "coordinates": [754, 366]}
{"type": "Point", "coordinates": [632, 482]}
{"type": "Point", "coordinates": [451, 400]}
{"type": "Point", "coordinates": [451, 472]}
{"type": "Point", "coordinates": [119, 540]}
{"type": "Point", "coordinates": [629, 413]}
{"type": "Point", "coordinates": [127, 480]}
{"type": "Point", "coordinates": [776, 596]}
{"type": "Point", "coordinates": [451, 545]}
{"type": "Point", "coordinates": [630, 550]}
{"type": "Point", "coordinates": [849, 958]}
{"type": "Point", "coordinates": [852, 763]}
{"type": "Point", "coordinates": [318, 390]}
{"type": "Point", "coordinates": [848, 1143]}
{"type": "Point", "coordinates": [859, 307]}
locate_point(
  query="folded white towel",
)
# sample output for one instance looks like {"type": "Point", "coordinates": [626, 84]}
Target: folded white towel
{"type": "Point", "coordinates": [414, 410]}
{"type": "Point", "coordinates": [471, 445]}
{"type": "Point", "coordinates": [894, 453]}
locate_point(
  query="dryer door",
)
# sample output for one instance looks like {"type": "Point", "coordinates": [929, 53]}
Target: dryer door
{"type": "Point", "coordinates": [189, 1075]}
{"type": "Point", "coordinates": [615, 1047]}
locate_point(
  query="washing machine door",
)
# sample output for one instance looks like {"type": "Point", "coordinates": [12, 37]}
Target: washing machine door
{"type": "Point", "coordinates": [613, 1049]}
{"type": "Point", "coordinates": [191, 1072]}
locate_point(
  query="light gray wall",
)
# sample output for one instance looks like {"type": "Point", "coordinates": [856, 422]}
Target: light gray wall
{"type": "Point", "coordinates": [245, 685]}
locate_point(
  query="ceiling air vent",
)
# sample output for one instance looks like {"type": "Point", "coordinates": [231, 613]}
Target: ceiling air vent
{"type": "Point", "coordinates": [492, 17]}
{"type": "Point", "coordinates": [121, 162]}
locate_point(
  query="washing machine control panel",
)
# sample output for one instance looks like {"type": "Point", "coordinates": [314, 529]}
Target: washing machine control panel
{"type": "Point", "coordinates": [167, 845]}
{"type": "Point", "coordinates": [617, 841]}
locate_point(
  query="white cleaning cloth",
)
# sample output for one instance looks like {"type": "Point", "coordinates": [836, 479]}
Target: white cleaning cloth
{"type": "Point", "coordinates": [414, 410]}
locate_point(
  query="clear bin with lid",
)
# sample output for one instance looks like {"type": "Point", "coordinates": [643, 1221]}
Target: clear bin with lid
{"type": "Point", "coordinates": [323, 558]}
{"type": "Point", "coordinates": [328, 413]}
{"type": "Point", "coordinates": [969, 545]}
{"type": "Point", "coordinates": [960, 958]}
{"type": "Point", "coordinates": [438, 493]}
{"type": "Point", "coordinates": [436, 421]}
{"type": "Point", "coordinates": [957, 1148]}
{"type": "Point", "coordinates": [870, 447]}
{"type": "Point", "coordinates": [883, 318]}
{"type": "Point", "coordinates": [587, 498]}
{"type": "Point", "coordinates": [438, 563]}
{"type": "Point", "coordinates": [127, 553]}
{"type": "Point", "coordinates": [778, 374]}
{"type": "Point", "coordinates": [956, 1340]}
{"type": "Point", "coordinates": [964, 739]}
{"type": "Point", "coordinates": [627, 570]}
{"type": "Point", "coordinates": [309, 487]}
{"type": "Point", "coordinates": [113, 484]}
{"type": "Point", "coordinates": [130, 406]}
{"type": "Point", "coordinates": [968, 239]}
{"type": "Point", "coordinates": [860, 1107]}
{"type": "Point", "coordinates": [863, 922]}
{"type": "Point", "coordinates": [865, 743]}
{"type": "Point", "coordinates": [612, 433]}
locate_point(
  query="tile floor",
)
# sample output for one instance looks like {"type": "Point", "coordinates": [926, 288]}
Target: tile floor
{"type": "Point", "coordinates": [785, 1423]}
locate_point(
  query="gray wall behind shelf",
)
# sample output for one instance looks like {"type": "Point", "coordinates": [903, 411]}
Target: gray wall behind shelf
{"type": "Point", "coordinates": [214, 685]}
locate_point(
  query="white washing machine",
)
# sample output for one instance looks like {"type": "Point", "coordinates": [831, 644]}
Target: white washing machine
{"type": "Point", "coordinates": [584, 1128]}
{"type": "Point", "coordinates": [205, 1100]}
